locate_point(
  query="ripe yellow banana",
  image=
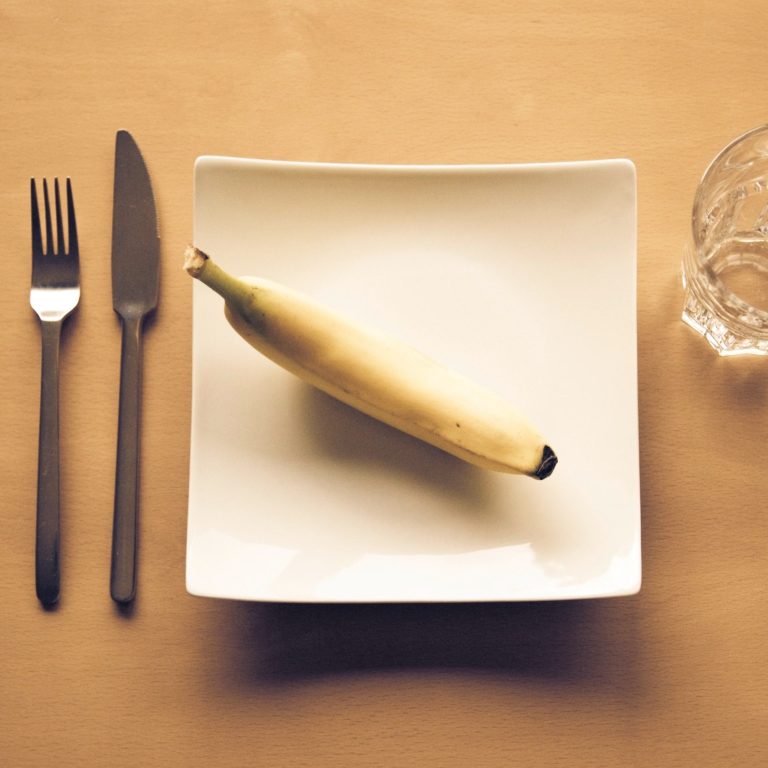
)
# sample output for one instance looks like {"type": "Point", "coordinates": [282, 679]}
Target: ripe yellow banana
{"type": "Point", "coordinates": [376, 374]}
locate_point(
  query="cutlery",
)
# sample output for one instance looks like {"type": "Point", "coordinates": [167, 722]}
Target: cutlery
{"type": "Point", "coordinates": [135, 278]}
{"type": "Point", "coordinates": [54, 294]}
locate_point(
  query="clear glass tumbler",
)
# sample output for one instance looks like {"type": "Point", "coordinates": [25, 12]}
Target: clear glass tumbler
{"type": "Point", "coordinates": [725, 264]}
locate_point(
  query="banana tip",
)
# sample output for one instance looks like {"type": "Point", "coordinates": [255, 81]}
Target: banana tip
{"type": "Point", "coordinates": [548, 463]}
{"type": "Point", "coordinates": [194, 260]}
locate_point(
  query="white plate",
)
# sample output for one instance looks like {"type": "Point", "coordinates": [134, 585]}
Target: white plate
{"type": "Point", "coordinates": [523, 277]}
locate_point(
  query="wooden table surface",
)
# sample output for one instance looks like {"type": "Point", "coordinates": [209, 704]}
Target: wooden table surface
{"type": "Point", "coordinates": [677, 675]}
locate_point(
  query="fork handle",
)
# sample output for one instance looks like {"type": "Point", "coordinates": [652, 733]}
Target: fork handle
{"type": "Point", "coordinates": [124, 530]}
{"type": "Point", "coordinates": [47, 571]}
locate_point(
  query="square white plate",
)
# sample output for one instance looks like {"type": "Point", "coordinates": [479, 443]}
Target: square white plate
{"type": "Point", "coordinates": [522, 277]}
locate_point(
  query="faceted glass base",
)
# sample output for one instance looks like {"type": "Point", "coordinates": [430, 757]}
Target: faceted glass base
{"type": "Point", "coordinates": [724, 341]}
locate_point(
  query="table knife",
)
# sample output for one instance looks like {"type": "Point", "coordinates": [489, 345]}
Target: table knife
{"type": "Point", "coordinates": [135, 278]}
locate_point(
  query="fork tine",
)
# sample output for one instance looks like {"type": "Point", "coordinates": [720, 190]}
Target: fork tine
{"type": "Point", "coordinates": [48, 231]}
{"type": "Point", "coordinates": [37, 237]}
{"type": "Point", "coordinates": [60, 246]}
{"type": "Point", "coordinates": [72, 224]}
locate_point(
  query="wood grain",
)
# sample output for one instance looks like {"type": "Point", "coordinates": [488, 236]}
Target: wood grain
{"type": "Point", "coordinates": [675, 676]}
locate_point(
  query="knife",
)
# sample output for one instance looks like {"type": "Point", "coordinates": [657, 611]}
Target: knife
{"type": "Point", "coordinates": [135, 278]}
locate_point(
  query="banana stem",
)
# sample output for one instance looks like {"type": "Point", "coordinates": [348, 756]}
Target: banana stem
{"type": "Point", "coordinates": [201, 266]}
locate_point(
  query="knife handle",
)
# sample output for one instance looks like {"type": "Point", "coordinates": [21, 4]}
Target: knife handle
{"type": "Point", "coordinates": [124, 528]}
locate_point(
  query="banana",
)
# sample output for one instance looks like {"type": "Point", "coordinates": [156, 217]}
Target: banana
{"type": "Point", "coordinates": [376, 374]}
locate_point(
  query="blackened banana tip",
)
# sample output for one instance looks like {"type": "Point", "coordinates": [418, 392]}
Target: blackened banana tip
{"type": "Point", "coordinates": [548, 463]}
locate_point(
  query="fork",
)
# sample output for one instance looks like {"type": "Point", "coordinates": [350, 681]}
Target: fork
{"type": "Point", "coordinates": [55, 293]}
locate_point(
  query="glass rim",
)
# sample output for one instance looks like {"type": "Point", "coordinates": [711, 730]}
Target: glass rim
{"type": "Point", "coordinates": [710, 170]}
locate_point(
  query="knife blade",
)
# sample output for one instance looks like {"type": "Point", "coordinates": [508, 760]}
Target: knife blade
{"type": "Point", "coordinates": [135, 284]}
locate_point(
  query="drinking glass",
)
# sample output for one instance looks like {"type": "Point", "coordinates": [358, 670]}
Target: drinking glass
{"type": "Point", "coordinates": [725, 263]}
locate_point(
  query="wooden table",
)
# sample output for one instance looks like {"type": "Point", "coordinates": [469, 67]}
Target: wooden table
{"type": "Point", "coordinates": [674, 676]}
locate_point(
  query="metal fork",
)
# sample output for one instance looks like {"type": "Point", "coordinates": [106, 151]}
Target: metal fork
{"type": "Point", "coordinates": [55, 293]}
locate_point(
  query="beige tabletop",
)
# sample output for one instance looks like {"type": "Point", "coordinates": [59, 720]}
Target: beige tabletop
{"type": "Point", "coordinates": [677, 675]}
